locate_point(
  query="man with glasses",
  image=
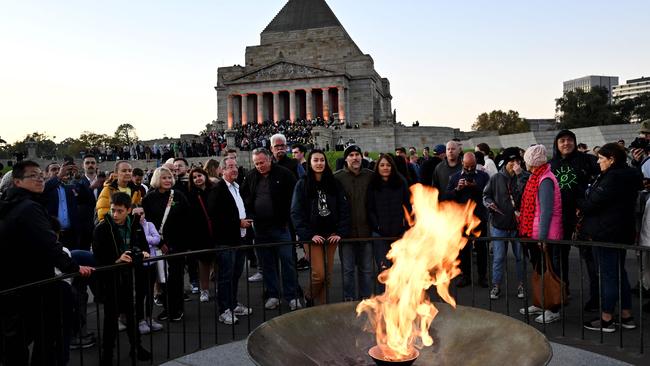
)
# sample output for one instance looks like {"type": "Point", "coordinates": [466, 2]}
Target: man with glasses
{"type": "Point", "coordinates": [279, 149]}
{"type": "Point", "coordinates": [27, 233]}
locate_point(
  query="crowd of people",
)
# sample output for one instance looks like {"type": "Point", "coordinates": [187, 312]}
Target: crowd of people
{"type": "Point", "coordinates": [212, 142]}
{"type": "Point", "coordinates": [69, 219]}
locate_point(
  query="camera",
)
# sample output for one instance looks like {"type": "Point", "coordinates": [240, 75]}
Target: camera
{"type": "Point", "coordinates": [136, 255]}
{"type": "Point", "coordinates": [640, 143]}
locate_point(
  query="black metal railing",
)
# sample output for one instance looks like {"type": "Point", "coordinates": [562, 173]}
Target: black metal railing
{"type": "Point", "coordinates": [200, 327]}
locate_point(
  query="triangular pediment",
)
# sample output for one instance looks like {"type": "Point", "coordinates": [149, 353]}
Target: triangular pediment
{"type": "Point", "coordinates": [282, 70]}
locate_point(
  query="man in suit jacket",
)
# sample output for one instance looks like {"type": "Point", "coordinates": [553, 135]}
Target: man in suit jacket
{"type": "Point", "coordinates": [65, 197]}
{"type": "Point", "coordinates": [228, 215]}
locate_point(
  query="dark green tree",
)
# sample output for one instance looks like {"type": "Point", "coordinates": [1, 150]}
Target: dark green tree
{"type": "Point", "coordinates": [125, 134]}
{"type": "Point", "coordinates": [585, 109]}
{"type": "Point", "coordinates": [503, 122]}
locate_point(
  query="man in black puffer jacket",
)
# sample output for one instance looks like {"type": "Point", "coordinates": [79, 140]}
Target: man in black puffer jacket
{"type": "Point", "coordinates": [30, 252]}
{"type": "Point", "coordinates": [573, 170]}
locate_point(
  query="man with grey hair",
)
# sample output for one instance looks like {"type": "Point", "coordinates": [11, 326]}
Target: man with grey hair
{"type": "Point", "coordinates": [448, 167]}
{"type": "Point", "coordinates": [228, 213]}
{"type": "Point", "coordinates": [267, 192]}
{"type": "Point", "coordinates": [279, 149]}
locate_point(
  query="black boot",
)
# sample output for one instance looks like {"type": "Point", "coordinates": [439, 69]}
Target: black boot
{"type": "Point", "coordinates": [141, 355]}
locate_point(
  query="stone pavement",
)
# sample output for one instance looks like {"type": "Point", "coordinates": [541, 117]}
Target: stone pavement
{"type": "Point", "coordinates": [199, 330]}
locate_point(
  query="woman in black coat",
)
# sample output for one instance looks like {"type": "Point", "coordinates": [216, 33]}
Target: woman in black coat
{"type": "Point", "coordinates": [608, 216]}
{"type": "Point", "coordinates": [388, 195]}
{"type": "Point", "coordinates": [321, 216]}
{"type": "Point", "coordinates": [201, 230]}
{"type": "Point", "coordinates": [173, 238]}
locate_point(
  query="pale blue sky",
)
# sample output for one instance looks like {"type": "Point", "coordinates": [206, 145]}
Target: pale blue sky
{"type": "Point", "coordinates": [68, 66]}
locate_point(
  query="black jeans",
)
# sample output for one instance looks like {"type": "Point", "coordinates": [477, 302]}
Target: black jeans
{"type": "Point", "coordinates": [174, 286]}
{"type": "Point", "coordinates": [118, 300]}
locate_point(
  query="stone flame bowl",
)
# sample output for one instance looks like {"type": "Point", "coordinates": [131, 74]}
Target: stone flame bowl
{"type": "Point", "coordinates": [332, 335]}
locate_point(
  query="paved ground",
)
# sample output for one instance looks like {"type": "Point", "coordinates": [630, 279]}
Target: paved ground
{"type": "Point", "coordinates": [199, 330]}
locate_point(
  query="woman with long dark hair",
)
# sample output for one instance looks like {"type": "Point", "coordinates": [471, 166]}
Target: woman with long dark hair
{"type": "Point", "coordinates": [388, 194]}
{"type": "Point", "coordinates": [199, 187]}
{"type": "Point", "coordinates": [608, 216]}
{"type": "Point", "coordinates": [321, 216]}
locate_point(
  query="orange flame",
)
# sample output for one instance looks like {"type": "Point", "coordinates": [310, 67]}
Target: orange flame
{"type": "Point", "coordinates": [425, 256]}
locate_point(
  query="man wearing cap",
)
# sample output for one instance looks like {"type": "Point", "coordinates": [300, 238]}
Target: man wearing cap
{"type": "Point", "coordinates": [573, 171]}
{"type": "Point", "coordinates": [448, 167]}
{"type": "Point", "coordinates": [502, 198]}
{"type": "Point", "coordinates": [355, 181]}
{"type": "Point", "coordinates": [429, 166]}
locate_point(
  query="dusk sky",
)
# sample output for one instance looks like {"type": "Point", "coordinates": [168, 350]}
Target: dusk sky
{"type": "Point", "coordinates": [70, 66]}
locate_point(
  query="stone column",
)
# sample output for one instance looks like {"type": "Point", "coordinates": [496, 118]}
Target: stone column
{"type": "Point", "coordinates": [276, 106]}
{"type": "Point", "coordinates": [260, 108]}
{"type": "Point", "coordinates": [310, 104]}
{"type": "Point", "coordinates": [244, 109]}
{"type": "Point", "coordinates": [230, 112]}
{"type": "Point", "coordinates": [230, 139]}
{"type": "Point", "coordinates": [292, 105]}
{"type": "Point", "coordinates": [341, 103]}
{"type": "Point", "coordinates": [326, 104]}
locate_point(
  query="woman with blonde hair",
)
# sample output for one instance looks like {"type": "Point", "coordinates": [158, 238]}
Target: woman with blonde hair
{"type": "Point", "coordinates": [168, 210]}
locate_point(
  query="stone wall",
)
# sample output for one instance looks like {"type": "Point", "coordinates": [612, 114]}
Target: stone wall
{"type": "Point", "coordinates": [592, 136]}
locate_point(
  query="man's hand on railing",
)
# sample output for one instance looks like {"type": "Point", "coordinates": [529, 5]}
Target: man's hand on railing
{"type": "Point", "coordinates": [317, 239]}
{"type": "Point", "coordinates": [85, 271]}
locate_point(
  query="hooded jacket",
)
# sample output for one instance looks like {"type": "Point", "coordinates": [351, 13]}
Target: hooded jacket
{"type": "Point", "coordinates": [573, 174]}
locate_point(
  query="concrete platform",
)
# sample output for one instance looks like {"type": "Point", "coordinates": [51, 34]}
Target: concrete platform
{"type": "Point", "coordinates": [234, 354]}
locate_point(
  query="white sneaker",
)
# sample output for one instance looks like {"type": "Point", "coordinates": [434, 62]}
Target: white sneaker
{"type": "Point", "coordinates": [257, 277]}
{"type": "Point", "coordinates": [154, 325]}
{"type": "Point", "coordinates": [195, 289]}
{"type": "Point", "coordinates": [548, 317]}
{"type": "Point", "coordinates": [272, 303]}
{"type": "Point", "coordinates": [143, 327]}
{"type": "Point", "coordinates": [532, 310]}
{"type": "Point", "coordinates": [228, 317]}
{"type": "Point", "coordinates": [295, 304]}
{"type": "Point", "coordinates": [120, 325]}
{"type": "Point", "coordinates": [205, 296]}
{"type": "Point", "coordinates": [242, 310]}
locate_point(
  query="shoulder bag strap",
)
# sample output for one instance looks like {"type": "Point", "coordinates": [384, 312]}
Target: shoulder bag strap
{"type": "Point", "coordinates": [167, 209]}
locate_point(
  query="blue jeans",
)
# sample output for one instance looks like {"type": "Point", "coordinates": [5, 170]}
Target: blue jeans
{"type": "Point", "coordinates": [269, 260]}
{"type": "Point", "coordinates": [353, 255]}
{"type": "Point", "coordinates": [500, 252]}
{"type": "Point", "coordinates": [231, 265]}
{"type": "Point", "coordinates": [609, 259]}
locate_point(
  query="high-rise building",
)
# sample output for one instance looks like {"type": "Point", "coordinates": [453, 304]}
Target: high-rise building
{"type": "Point", "coordinates": [587, 82]}
{"type": "Point", "coordinates": [631, 89]}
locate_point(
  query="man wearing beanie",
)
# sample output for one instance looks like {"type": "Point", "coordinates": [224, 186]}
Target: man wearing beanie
{"type": "Point", "coordinates": [355, 181]}
{"type": "Point", "coordinates": [502, 198]}
{"type": "Point", "coordinates": [429, 165]}
{"type": "Point", "coordinates": [573, 170]}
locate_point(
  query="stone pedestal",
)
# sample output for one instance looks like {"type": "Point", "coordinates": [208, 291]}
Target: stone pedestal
{"type": "Point", "coordinates": [230, 139]}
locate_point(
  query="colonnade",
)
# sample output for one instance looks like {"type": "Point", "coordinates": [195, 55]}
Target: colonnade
{"type": "Point", "coordinates": [324, 110]}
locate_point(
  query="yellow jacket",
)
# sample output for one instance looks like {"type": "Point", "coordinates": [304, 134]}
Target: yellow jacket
{"type": "Point", "coordinates": [104, 200]}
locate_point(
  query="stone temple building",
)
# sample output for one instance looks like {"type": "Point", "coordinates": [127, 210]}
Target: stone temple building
{"type": "Point", "coordinates": [306, 66]}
